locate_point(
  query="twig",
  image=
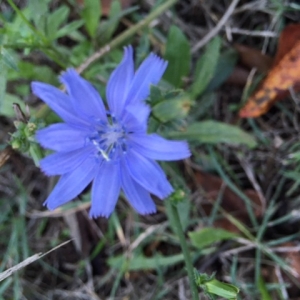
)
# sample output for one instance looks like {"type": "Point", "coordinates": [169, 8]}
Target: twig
{"type": "Point", "coordinates": [264, 33]}
{"type": "Point", "coordinates": [217, 28]}
{"type": "Point", "coordinates": [145, 234]}
{"type": "Point", "coordinates": [28, 261]}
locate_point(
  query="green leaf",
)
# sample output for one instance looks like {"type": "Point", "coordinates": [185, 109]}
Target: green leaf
{"type": "Point", "coordinates": [206, 66]}
{"type": "Point", "coordinates": [265, 295]}
{"type": "Point", "coordinates": [207, 236]}
{"type": "Point", "coordinates": [178, 56]}
{"type": "Point", "coordinates": [143, 49]}
{"type": "Point", "coordinates": [32, 71]}
{"type": "Point", "coordinates": [7, 59]}
{"type": "Point", "coordinates": [114, 18]}
{"type": "Point", "coordinates": [3, 74]}
{"type": "Point", "coordinates": [91, 15]}
{"type": "Point", "coordinates": [140, 262]}
{"type": "Point", "coordinates": [37, 9]}
{"type": "Point", "coordinates": [69, 28]}
{"type": "Point", "coordinates": [224, 68]}
{"type": "Point", "coordinates": [156, 95]}
{"type": "Point", "coordinates": [55, 20]}
{"type": "Point", "coordinates": [108, 27]}
{"type": "Point", "coordinates": [214, 132]}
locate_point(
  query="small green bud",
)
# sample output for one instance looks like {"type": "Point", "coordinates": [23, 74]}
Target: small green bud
{"type": "Point", "coordinates": [30, 129]}
{"type": "Point", "coordinates": [225, 290]}
{"type": "Point", "coordinates": [213, 287]}
{"type": "Point", "coordinates": [19, 142]}
{"type": "Point", "coordinates": [171, 109]}
{"type": "Point", "coordinates": [16, 144]}
{"type": "Point", "coordinates": [178, 196]}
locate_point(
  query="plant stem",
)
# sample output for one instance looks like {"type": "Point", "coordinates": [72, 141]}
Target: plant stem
{"type": "Point", "coordinates": [125, 35]}
{"type": "Point", "coordinates": [177, 228]}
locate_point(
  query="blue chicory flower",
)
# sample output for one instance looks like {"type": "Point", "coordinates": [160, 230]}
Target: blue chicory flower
{"type": "Point", "coordinates": [109, 147]}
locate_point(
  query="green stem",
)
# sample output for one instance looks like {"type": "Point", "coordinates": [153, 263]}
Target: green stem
{"type": "Point", "coordinates": [177, 228]}
{"type": "Point", "coordinates": [127, 34]}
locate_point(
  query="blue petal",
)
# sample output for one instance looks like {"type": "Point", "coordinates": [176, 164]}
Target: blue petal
{"type": "Point", "coordinates": [106, 189]}
{"type": "Point", "coordinates": [148, 174]}
{"type": "Point", "coordinates": [85, 99]}
{"type": "Point", "coordinates": [136, 117]}
{"type": "Point", "coordinates": [56, 100]}
{"type": "Point", "coordinates": [61, 137]}
{"type": "Point", "coordinates": [119, 83]}
{"type": "Point", "coordinates": [137, 196]}
{"type": "Point", "coordinates": [72, 184]}
{"type": "Point", "coordinates": [150, 72]}
{"type": "Point", "coordinates": [155, 147]}
{"type": "Point", "coordinates": [64, 162]}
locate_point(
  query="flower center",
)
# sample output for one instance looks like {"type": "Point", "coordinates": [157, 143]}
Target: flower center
{"type": "Point", "coordinates": [110, 139]}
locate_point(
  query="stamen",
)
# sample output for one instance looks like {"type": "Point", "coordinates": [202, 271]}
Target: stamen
{"type": "Point", "coordinates": [110, 139]}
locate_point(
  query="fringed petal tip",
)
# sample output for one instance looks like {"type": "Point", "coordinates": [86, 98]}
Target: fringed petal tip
{"type": "Point", "coordinates": [48, 174]}
{"type": "Point", "coordinates": [95, 215]}
{"type": "Point", "coordinates": [67, 75]}
{"type": "Point", "coordinates": [48, 170]}
{"type": "Point", "coordinates": [149, 72]}
{"type": "Point", "coordinates": [147, 212]}
{"type": "Point", "coordinates": [128, 51]}
{"type": "Point", "coordinates": [185, 150]}
{"type": "Point", "coordinates": [159, 63]}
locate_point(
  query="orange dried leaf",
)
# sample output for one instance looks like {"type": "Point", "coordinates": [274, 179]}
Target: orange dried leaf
{"type": "Point", "coordinates": [287, 40]}
{"type": "Point", "coordinates": [282, 77]}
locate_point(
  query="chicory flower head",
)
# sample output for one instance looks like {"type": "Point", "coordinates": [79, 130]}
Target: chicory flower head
{"type": "Point", "coordinates": [109, 147]}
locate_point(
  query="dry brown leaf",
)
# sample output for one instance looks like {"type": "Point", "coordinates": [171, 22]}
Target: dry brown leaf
{"type": "Point", "coordinates": [231, 202]}
{"type": "Point", "coordinates": [239, 76]}
{"type": "Point", "coordinates": [253, 58]}
{"type": "Point", "coordinates": [5, 155]}
{"type": "Point", "coordinates": [248, 58]}
{"type": "Point", "coordinates": [284, 75]}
